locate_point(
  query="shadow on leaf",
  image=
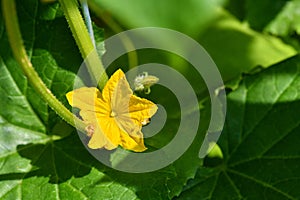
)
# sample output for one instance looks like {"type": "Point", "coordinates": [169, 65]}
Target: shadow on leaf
{"type": "Point", "coordinates": [58, 160]}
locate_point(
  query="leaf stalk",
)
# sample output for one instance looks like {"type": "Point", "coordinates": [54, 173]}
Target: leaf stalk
{"type": "Point", "coordinates": [84, 42]}
{"type": "Point", "coordinates": [19, 52]}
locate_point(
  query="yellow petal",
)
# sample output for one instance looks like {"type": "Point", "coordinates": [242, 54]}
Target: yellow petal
{"type": "Point", "coordinates": [133, 143]}
{"type": "Point", "coordinates": [124, 102]}
{"type": "Point", "coordinates": [141, 109]}
{"type": "Point", "coordinates": [86, 98]}
{"type": "Point", "coordinates": [116, 135]}
{"type": "Point", "coordinates": [117, 91]}
{"type": "Point", "coordinates": [116, 115]}
{"type": "Point", "coordinates": [110, 130]}
{"type": "Point", "coordinates": [98, 138]}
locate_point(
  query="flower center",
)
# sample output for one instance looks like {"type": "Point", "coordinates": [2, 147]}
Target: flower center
{"type": "Point", "coordinates": [113, 114]}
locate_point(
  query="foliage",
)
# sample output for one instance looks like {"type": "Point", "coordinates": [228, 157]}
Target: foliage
{"type": "Point", "coordinates": [42, 157]}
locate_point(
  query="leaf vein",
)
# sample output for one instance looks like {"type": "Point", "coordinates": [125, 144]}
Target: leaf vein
{"type": "Point", "coordinates": [233, 185]}
{"type": "Point", "coordinates": [266, 185]}
{"type": "Point", "coordinates": [77, 190]}
{"type": "Point", "coordinates": [248, 133]}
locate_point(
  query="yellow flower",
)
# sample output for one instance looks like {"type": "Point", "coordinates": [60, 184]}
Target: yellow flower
{"type": "Point", "coordinates": [116, 116]}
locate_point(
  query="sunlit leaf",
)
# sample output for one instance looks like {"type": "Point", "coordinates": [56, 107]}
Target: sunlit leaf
{"type": "Point", "coordinates": [260, 141]}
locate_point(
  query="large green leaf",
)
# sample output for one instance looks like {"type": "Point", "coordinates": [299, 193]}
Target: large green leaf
{"type": "Point", "coordinates": [260, 141]}
{"type": "Point", "coordinates": [41, 157]}
{"type": "Point", "coordinates": [237, 49]}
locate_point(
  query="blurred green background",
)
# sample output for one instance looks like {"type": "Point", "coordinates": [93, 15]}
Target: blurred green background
{"type": "Point", "coordinates": [238, 34]}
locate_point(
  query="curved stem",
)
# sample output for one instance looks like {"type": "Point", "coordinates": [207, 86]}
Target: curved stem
{"type": "Point", "coordinates": [84, 42]}
{"type": "Point", "coordinates": [16, 43]}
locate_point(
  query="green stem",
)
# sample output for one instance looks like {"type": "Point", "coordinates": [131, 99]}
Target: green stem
{"type": "Point", "coordinates": [16, 43]}
{"type": "Point", "coordinates": [84, 42]}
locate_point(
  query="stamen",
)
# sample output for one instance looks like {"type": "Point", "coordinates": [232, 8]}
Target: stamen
{"type": "Point", "coordinates": [113, 114]}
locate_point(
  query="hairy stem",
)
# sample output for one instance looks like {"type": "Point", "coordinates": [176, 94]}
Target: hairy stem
{"type": "Point", "coordinates": [16, 43]}
{"type": "Point", "coordinates": [84, 42]}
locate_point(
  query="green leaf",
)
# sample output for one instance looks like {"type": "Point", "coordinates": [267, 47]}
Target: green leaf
{"type": "Point", "coordinates": [287, 21]}
{"type": "Point", "coordinates": [258, 13]}
{"type": "Point", "coordinates": [41, 157]}
{"type": "Point", "coordinates": [261, 12]}
{"type": "Point", "coordinates": [237, 8]}
{"type": "Point", "coordinates": [260, 141]}
{"type": "Point", "coordinates": [237, 49]}
{"type": "Point", "coordinates": [171, 14]}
